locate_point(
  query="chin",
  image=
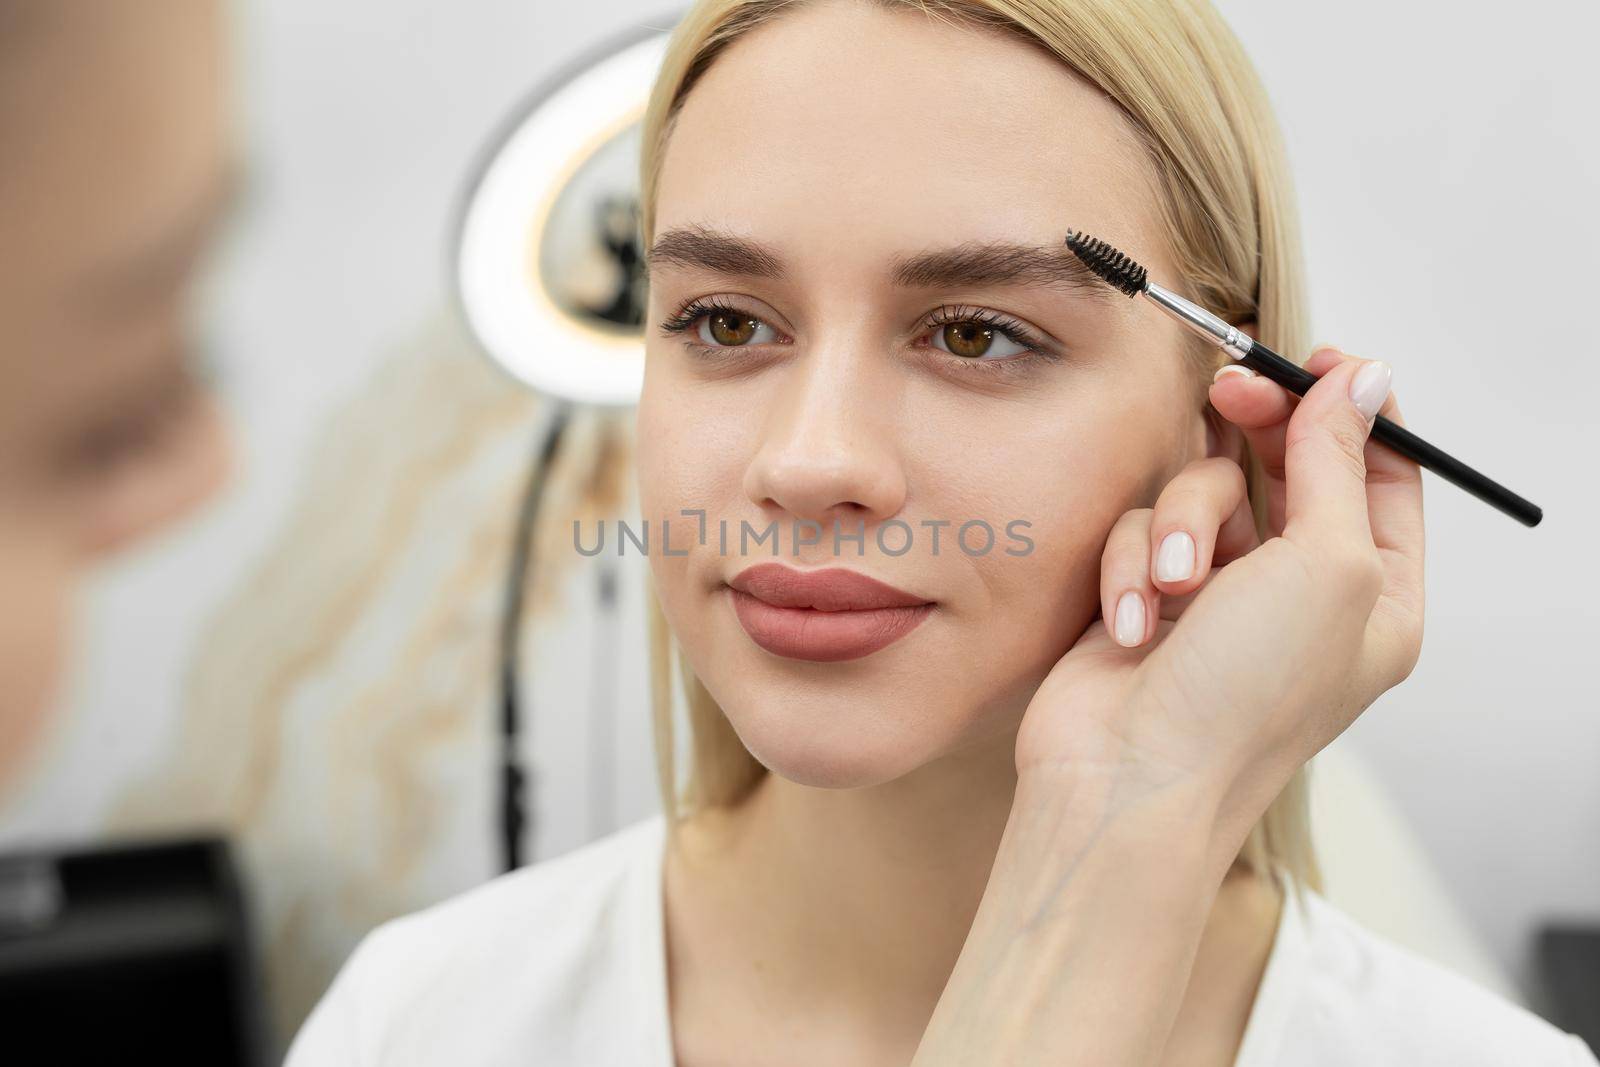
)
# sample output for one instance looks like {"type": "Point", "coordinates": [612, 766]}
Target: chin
{"type": "Point", "coordinates": [830, 745]}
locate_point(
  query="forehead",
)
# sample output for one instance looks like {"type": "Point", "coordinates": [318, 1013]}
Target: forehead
{"type": "Point", "coordinates": [852, 131]}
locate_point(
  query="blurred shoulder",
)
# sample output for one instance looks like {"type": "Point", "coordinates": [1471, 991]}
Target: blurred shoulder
{"type": "Point", "coordinates": [497, 966]}
{"type": "Point", "coordinates": [1361, 998]}
{"type": "Point", "coordinates": [554, 898]}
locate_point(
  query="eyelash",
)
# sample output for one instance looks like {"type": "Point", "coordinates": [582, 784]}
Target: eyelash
{"type": "Point", "coordinates": [944, 315]}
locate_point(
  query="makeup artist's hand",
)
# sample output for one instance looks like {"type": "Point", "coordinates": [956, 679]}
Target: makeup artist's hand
{"type": "Point", "coordinates": [1142, 763]}
{"type": "Point", "coordinates": [1226, 659]}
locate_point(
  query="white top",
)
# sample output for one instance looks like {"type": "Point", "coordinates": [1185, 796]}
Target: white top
{"type": "Point", "coordinates": [564, 962]}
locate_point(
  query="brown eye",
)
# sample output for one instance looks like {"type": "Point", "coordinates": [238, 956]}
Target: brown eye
{"type": "Point", "coordinates": [731, 328]}
{"type": "Point", "coordinates": [975, 338]}
{"type": "Point", "coordinates": [971, 339]}
{"type": "Point", "coordinates": [718, 325]}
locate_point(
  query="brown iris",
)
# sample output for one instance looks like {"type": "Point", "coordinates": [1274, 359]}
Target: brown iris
{"type": "Point", "coordinates": [968, 338]}
{"type": "Point", "coordinates": [731, 328]}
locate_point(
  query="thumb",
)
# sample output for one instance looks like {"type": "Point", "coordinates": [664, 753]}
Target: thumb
{"type": "Point", "coordinates": [1325, 469]}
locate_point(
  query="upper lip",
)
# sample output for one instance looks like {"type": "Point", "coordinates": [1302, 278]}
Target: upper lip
{"type": "Point", "coordinates": [829, 589]}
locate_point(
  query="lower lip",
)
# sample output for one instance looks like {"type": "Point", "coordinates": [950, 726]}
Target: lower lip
{"type": "Point", "coordinates": [824, 636]}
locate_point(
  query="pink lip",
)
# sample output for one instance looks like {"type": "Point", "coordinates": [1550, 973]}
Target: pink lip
{"type": "Point", "coordinates": [827, 615]}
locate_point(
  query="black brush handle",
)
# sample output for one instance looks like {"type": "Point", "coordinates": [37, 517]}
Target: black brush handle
{"type": "Point", "coordinates": [1296, 379]}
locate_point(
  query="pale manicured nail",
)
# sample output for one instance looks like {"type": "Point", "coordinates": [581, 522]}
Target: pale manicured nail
{"type": "Point", "coordinates": [1175, 558]}
{"type": "Point", "coordinates": [1130, 619]}
{"type": "Point", "coordinates": [1369, 387]}
{"type": "Point", "coordinates": [1233, 368]}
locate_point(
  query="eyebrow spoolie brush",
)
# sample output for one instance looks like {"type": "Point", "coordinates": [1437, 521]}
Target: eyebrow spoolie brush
{"type": "Point", "coordinates": [1126, 276]}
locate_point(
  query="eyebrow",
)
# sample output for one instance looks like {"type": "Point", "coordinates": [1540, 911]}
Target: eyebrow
{"type": "Point", "coordinates": [971, 263]}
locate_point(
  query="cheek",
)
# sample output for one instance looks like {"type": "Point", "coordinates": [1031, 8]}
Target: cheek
{"type": "Point", "coordinates": [679, 466]}
{"type": "Point", "coordinates": [36, 585]}
{"type": "Point", "coordinates": [1071, 483]}
{"type": "Point", "coordinates": [1068, 470]}
{"type": "Point", "coordinates": [670, 428]}
{"type": "Point", "coordinates": [658, 479]}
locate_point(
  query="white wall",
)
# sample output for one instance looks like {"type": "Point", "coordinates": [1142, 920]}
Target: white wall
{"type": "Point", "coordinates": [1447, 161]}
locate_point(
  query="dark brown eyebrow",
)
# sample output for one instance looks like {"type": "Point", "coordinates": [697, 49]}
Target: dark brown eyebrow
{"type": "Point", "coordinates": [971, 263]}
{"type": "Point", "coordinates": [716, 251]}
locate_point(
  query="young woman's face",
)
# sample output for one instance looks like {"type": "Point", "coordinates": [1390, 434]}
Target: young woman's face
{"type": "Point", "coordinates": [115, 163]}
{"type": "Point", "coordinates": [870, 364]}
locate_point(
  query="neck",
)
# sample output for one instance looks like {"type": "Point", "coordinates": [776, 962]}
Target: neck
{"type": "Point", "coordinates": [860, 899]}
{"type": "Point", "coordinates": [866, 894]}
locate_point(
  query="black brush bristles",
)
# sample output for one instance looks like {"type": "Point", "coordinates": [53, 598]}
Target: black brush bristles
{"type": "Point", "coordinates": [1116, 269]}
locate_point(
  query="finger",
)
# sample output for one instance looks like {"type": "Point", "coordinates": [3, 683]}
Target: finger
{"type": "Point", "coordinates": [1128, 600]}
{"type": "Point", "coordinates": [1394, 492]}
{"type": "Point", "coordinates": [1394, 511]}
{"type": "Point", "coordinates": [1324, 456]}
{"type": "Point", "coordinates": [1202, 513]}
{"type": "Point", "coordinates": [1260, 407]}
{"type": "Point", "coordinates": [1172, 606]}
{"type": "Point", "coordinates": [1253, 402]}
{"type": "Point", "coordinates": [1249, 400]}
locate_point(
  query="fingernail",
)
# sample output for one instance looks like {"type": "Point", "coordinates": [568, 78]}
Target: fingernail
{"type": "Point", "coordinates": [1175, 557]}
{"type": "Point", "coordinates": [1130, 619]}
{"type": "Point", "coordinates": [1369, 386]}
{"type": "Point", "coordinates": [1232, 368]}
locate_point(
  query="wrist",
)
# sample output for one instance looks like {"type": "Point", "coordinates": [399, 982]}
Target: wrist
{"type": "Point", "coordinates": [1173, 830]}
{"type": "Point", "coordinates": [1083, 940]}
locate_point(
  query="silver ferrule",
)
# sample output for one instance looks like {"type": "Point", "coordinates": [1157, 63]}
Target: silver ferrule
{"type": "Point", "coordinates": [1229, 338]}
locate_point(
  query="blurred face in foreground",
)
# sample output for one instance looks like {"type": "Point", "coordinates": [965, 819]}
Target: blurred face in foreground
{"type": "Point", "coordinates": [115, 171]}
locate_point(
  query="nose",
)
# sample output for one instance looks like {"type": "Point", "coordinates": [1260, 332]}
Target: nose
{"type": "Point", "coordinates": [827, 450]}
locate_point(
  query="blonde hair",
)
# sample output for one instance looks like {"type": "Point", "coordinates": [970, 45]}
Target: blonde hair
{"type": "Point", "coordinates": [1227, 208]}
